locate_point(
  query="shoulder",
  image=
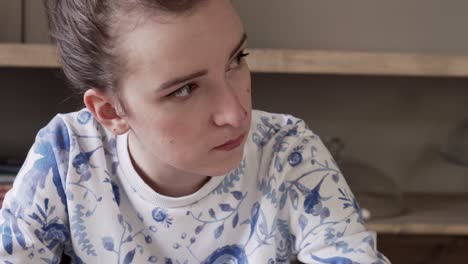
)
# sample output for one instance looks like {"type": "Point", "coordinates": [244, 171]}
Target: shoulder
{"type": "Point", "coordinates": [72, 138]}
{"type": "Point", "coordinates": [55, 133]}
{"type": "Point", "coordinates": [82, 121]}
{"type": "Point", "coordinates": [286, 142]}
{"type": "Point", "coordinates": [62, 128]}
{"type": "Point", "coordinates": [278, 132]}
{"type": "Point", "coordinates": [267, 125]}
{"type": "Point", "coordinates": [87, 136]}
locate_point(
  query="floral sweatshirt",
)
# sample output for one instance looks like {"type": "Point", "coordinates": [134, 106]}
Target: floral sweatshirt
{"type": "Point", "coordinates": [78, 194]}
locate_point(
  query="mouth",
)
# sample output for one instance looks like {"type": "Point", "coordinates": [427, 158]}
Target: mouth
{"type": "Point", "coordinates": [231, 144]}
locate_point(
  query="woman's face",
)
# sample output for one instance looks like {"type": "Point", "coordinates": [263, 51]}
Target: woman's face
{"type": "Point", "coordinates": [188, 89]}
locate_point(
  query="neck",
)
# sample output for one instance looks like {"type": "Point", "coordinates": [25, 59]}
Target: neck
{"type": "Point", "coordinates": [163, 178]}
{"type": "Point", "coordinates": [173, 186]}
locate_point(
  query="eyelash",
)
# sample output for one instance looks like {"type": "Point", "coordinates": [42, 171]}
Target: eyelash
{"type": "Point", "coordinates": [190, 85]}
{"type": "Point", "coordinates": [241, 55]}
{"type": "Point", "coordinates": [238, 59]}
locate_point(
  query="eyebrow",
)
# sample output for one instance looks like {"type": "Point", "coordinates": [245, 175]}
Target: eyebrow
{"type": "Point", "coordinates": [194, 75]}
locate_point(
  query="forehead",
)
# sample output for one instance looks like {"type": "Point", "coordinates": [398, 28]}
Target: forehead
{"type": "Point", "coordinates": [164, 42]}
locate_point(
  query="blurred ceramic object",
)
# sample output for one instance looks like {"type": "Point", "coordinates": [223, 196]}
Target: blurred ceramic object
{"type": "Point", "coordinates": [455, 150]}
{"type": "Point", "coordinates": [378, 194]}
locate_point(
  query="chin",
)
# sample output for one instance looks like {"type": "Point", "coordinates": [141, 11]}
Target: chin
{"type": "Point", "coordinates": [227, 165]}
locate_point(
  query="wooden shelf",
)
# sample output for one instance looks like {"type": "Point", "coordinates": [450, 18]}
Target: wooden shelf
{"type": "Point", "coordinates": [359, 63]}
{"type": "Point", "coordinates": [288, 61]}
{"type": "Point", "coordinates": [28, 55]}
{"type": "Point", "coordinates": [428, 215]}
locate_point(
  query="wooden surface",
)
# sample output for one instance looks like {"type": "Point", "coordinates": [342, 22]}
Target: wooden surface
{"type": "Point", "coordinates": [28, 55]}
{"type": "Point", "coordinates": [362, 63]}
{"type": "Point", "coordinates": [428, 215]}
{"type": "Point", "coordinates": [423, 249]}
{"type": "Point", "coordinates": [288, 61]}
{"type": "Point", "coordinates": [3, 190]}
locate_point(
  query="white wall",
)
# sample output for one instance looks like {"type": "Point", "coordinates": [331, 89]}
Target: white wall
{"type": "Point", "coordinates": [10, 21]}
{"type": "Point", "coordinates": [368, 25]}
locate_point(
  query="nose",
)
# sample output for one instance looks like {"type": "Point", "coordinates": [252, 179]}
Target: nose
{"type": "Point", "coordinates": [230, 111]}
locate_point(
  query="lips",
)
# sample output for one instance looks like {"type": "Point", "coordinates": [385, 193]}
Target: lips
{"type": "Point", "coordinates": [231, 144]}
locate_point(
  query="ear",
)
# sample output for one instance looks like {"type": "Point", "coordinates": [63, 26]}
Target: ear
{"type": "Point", "coordinates": [106, 110]}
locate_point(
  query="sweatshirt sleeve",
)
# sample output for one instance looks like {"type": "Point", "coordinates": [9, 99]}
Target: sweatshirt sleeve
{"type": "Point", "coordinates": [33, 219]}
{"type": "Point", "coordinates": [325, 221]}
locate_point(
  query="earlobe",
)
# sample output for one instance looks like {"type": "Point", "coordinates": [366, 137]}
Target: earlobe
{"type": "Point", "coordinates": [105, 111]}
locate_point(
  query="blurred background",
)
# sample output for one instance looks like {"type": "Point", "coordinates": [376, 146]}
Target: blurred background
{"type": "Point", "coordinates": [401, 139]}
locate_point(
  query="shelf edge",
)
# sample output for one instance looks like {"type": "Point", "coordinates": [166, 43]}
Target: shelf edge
{"type": "Point", "coordinates": [419, 229]}
{"type": "Point", "coordinates": [28, 55]}
{"type": "Point", "coordinates": [288, 61]}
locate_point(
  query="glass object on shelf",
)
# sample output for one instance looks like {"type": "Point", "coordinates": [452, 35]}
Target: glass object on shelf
{"type": "Point", "coordinates": [378, 194]}
{"type": "Point", "coordinates": [455, 150]}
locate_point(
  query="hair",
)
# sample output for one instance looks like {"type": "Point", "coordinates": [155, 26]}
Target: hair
{"type": "Point", "coordinates": [85, 33]}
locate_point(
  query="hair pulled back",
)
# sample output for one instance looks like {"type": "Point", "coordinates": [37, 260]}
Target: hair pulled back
{"type": "Point", "coordinates": [85, 37]}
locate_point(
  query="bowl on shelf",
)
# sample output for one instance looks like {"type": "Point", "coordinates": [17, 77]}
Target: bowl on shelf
{"type": "Point", "coordinates": [377, 193]}
{"type": "Point", "coordinates": [455, 149]}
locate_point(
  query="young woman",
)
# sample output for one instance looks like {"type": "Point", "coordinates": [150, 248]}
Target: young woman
{"type": "Point", "coordinates": [168, 163]}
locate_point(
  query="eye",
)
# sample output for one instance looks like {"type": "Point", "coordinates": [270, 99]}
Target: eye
{"type": "Point", "coordinates": [239, 58]}
{"type": "Point", "coordinates": [184, 91]}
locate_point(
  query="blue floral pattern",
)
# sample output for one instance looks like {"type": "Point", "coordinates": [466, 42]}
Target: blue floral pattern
{"type": "Point", "coordinates": [286, 197]}
{"type": "Point", "coordinates": [228, 254]}
{"type": "Point", "coordinates": [160, 215]}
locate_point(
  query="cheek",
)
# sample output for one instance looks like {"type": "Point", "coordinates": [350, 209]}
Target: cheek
{"type": "Point", "coordinates": [243, 82]}
{"type": "Point", "coordinates": [178, 145]}
{"type": "Point", "coordinates": [168, 133]}
{"type": "Point", "coordinates": [247, 85]}
{"type": "Point", "coordinates": [248, 95]}
{"type": "Point", "coordinates": [172, 136]}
